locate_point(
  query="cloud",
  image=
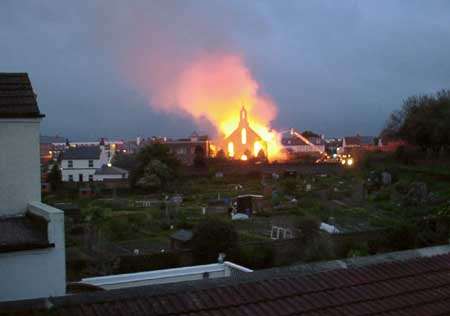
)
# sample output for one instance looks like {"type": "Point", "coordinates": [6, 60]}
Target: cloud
{"type": "Point", "coordinates": [334, 67]}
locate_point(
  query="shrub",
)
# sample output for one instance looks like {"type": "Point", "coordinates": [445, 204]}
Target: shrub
{"type": "Point", "coordinates": [289, 186]}
{"type": "Point", "coordinates": [211, 237]}
{"type": "Point", "coordinates": [255, 256]}
{"type": "Point", "coordinates": [129, 264]}
{"type": "Point", "coordinates": [309, 227]}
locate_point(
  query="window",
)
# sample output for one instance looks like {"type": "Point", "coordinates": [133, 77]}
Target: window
{"type": "Point", "coordinates": [70, 178]}
{"type": "Point", "coordinates": [91, 178]}
{"type": "Point", "coordinates": [70, 164]}
{"type": "Point", "coordinates": [91, 163]}
{"type": "Point", "coordinates": [80, 177]}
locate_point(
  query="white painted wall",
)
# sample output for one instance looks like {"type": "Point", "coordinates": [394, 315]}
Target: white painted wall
{"type": "Point", "coordinates": [81, 166]}
{"type": "Point", "coordinates": [175, 275]}
{"type": "Point", "coordinates": [305, 148]}
{"type": "Point", "coordinates": [36, 273]}
{"type": "Point", "coordinates": [20, 180]}
{"type": "Point", "coordinates": [102, 177]}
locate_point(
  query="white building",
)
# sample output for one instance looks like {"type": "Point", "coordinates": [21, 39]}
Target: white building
{"type": "Point", "coordinates": [207, 271]}
{"type": "Point", "coordinates": [32, 253]}
{"type": "Point", "coordinates": [80, 163]}
{"type": "Point", "coordinates": [303, 143]}
{"type": "Point", "coordinates": [108, 172]}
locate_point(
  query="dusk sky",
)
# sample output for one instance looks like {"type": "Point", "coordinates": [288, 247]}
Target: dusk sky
{"type": "Point", "coordinates": [334, 67]}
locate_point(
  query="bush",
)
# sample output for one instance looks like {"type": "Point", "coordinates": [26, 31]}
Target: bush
{"type": "Point", "coordinates": [129, 264]}
{"type": "Point", "coordinates": [254, 256]}
{"type": "Point", "coordinates": [400, 238]}
{"type": "Point", "coordinates": [211, 237]}
{"type": "Point", "coordinates": [320, 248]}
{"type": "Point", "coordinates": [382, 195]}
{"type": "Point", "coordinates": [289, 186]}
{"type": "Point", "coordinates": [309, 227]}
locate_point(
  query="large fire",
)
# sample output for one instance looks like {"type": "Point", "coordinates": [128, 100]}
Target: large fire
{"type": "Point", "coordinates": [215, 87]}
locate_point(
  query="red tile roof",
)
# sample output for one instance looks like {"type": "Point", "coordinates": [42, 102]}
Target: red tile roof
{"type": "Point", "coordinates": [419, 286]}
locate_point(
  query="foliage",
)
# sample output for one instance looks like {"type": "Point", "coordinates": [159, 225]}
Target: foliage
{"type": "Point", "coordinates": [124, 160]}
{"type": "Point", "coordinates": [309, 227]}
{"type": "Point", "coordinates": [148, 161]}
{"type": "Point", "coordinates": [358, 251]}
{"type": "Point", "coordinates": [129, 264]}
{"type": "Point", "coordinates": [54, 177]}
{"type": "Point", "coordinates": [261, 156]}
{"type": "Point", "coordinates": [257, 256]}
{"type": "Point", "coordinates": [423, 121]}
{"type": "Point", "coordinates": [221, 155]}
{"type": "Point", "coordinates": [156, 175]}
{"type": "Point", "coordinates": [211, 237]}
{"type": "Point", "coordinates": [199, 157]}
{"type": "Point", "coordinates": [319, 248]}
{"type": "Point", "coordinates": [95, 217]}
{"type": "Point", "coordinates": [289, 185]}
{"type": "Point", "coordinates": [401, 237]}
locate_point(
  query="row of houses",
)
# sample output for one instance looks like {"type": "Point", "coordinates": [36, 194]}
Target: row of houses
{"type": "Point", "coordinates": [33, 269]}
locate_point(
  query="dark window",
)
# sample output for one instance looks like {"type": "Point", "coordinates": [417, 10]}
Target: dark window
{"type": "Point", "coordinates": [91, 163]}
{"type": "Point", "coordinates": [70, 177]}
{"type": "Point", "coordinates": [91, 178]}
{"type": "Point", "coordinates": [80, 177]}
{"type": "Point", "coordinates": [70, 164]}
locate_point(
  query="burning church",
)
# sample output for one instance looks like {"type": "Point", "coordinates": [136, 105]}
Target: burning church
{"type": "Point", "coordinates": [244, 143]}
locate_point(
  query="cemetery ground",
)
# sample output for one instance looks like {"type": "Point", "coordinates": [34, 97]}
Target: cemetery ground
{"type": "Point", "coordinates": [380, 205]}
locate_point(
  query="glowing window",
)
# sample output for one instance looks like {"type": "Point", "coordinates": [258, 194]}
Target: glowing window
{"type": "Point", "coordinates": [244, 157]}
{"type": "Point", "coordinates": [231, 149]}
{"type": "Point", "coordinates": [244, 136]}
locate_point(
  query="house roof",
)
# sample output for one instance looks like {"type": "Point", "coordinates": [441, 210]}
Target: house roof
{"type": "Point", "coordinates": [182, 235]}
{"type": "Point", "coordinates": [17, 98]}
{"type": "Point", "coordinates": [110, 170]}
{"type": "Point", "coordinates": [51, 139]}
{"type": "Point", "coordinates": [23, 232]}
{"type": "Point", "coordinates": [82, 153]}
{"type": "Point", "coordinates": [407, 283]}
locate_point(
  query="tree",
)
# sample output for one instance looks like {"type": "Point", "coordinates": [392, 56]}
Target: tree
{"type": "Point", "coordinates": [221, 155]}
{"type": "Point", "coordinates": [156, 175]}
{"type": "Point", "coordinates": [95, 217]}
{"type": "Point", "coordinates": [211, 237]}
{"type": "Point", "coordinates": [54, 177]}
{"type": "Point", "coordinates": [310, 134]}
{"type": "Point", "coordinates": [423, 121]}
{"type": "Point", "coordinates": [261, 156]}
{"type": "Point", "coordinates": [199, 157]}
{"type": "Point", "coordinates": [148, 161]}
{"type": "Point", "coordinates": [124, 161]}
{"type": "Point", "coordinates": [309, 227]}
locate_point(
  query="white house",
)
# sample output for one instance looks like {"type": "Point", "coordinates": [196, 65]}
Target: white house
{"type": "Point", "coordinates": [108, 172]}
{"type": "Point", "coordinates": [303, 143]}
{"type": "Point", "coordinates": [79, 163]}
{"type": "Point", "coordinates": [32, 253]}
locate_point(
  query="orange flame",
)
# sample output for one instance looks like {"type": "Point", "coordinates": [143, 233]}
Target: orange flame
{"type": "Point", "coordinates": [215, 87]}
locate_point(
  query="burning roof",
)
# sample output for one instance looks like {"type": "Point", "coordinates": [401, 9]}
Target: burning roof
{"type": "Point", "coordinates": [244, 143]}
